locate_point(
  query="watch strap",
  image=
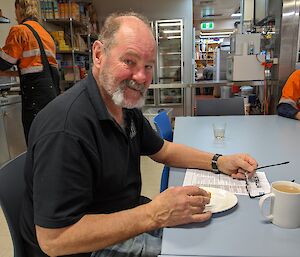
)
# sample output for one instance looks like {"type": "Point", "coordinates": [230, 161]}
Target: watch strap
{"type": "Point", "coordinates": [214, 164]}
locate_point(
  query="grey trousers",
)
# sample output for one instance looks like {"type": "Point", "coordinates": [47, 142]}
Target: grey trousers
{"type": "Point", "coordinates": [143, 245]}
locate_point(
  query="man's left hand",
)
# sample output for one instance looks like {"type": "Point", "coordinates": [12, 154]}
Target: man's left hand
{"type": "Point", "coordinates": [237, 164]}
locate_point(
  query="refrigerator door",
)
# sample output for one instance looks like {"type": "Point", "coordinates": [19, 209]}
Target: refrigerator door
{"type": "Point", "coordinates": [169, 51]}
{"type": "Point", "coordinates": [169, 59]}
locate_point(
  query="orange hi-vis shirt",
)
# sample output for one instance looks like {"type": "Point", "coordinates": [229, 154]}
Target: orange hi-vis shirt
{"type": "Point", "coordinates": [291, 90]}
{"type": "Point", "coordinates": [22, 46]}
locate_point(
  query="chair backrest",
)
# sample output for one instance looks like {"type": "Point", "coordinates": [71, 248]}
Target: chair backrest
{"type": "Point", "coordinates": [219, 106]}
{"type": "Point", "coordinates": [163, 126]}
{"type": "Point", "coordinates": [12, 186]}
{"type": "Point", "coordinates": [164, 181]}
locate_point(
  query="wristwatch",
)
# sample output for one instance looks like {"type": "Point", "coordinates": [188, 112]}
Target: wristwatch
{"type": "Point", "coordinates": [214, 164]}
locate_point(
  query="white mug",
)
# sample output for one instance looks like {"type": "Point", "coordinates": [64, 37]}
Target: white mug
{"type": "Point", "coordinates": [285, 204]}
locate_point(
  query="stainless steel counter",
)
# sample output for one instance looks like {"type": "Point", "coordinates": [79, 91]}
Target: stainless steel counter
{"type": "Point", "coordinates": [208, 83]}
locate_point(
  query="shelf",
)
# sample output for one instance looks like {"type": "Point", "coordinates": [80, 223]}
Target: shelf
{"type": "Point", "coordinates": [65, 22]}
{"type": "Point", "coordinates": [170, 67]}
{"type": "Point", "coordinates": [170, 37]}
{"type": "Point", "coordinates": [170, 53]}
{"type": "Point", "coordinates": [93, 37]}
{"type": "Point", "coordinates": [70, 52]}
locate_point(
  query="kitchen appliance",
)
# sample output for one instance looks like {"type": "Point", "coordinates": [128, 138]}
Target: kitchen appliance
{"type": "Point", "coordinates": [245, 67]}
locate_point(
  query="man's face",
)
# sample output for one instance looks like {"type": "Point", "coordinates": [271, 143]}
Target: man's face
{"type": "Point", "coordinates": [127, 67]}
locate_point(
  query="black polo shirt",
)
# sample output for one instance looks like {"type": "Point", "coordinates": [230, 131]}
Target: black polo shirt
{"type": "Point", "coordinates": [80, 161]}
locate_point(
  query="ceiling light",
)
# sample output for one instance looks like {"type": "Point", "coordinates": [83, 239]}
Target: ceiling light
{"type": "Point", "coordinates": [236, 15]}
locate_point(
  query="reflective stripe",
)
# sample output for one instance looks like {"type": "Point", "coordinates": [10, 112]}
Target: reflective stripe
{"type": "Point", "coordinates": [288, 101]}
{"type": "Point", "coordinates": [36, 52]}
{"type": "Point", "coordinates": [33, 69]}
{"type": "Point", "coordinates": [8, 58]}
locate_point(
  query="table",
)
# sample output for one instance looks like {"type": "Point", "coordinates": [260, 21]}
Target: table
{"type": "Point", "coordinates": [241, 231]}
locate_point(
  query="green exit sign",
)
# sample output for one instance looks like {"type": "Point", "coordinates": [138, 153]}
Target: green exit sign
{"type": "Point", "coordinates": [207, 25]}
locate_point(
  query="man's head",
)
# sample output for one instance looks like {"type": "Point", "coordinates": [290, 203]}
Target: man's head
{"type": "Point", "coordinates": [26, 9]}
{"type": "Point", "coordinates": [124, 58]}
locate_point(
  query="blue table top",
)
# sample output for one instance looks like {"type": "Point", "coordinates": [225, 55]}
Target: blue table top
{"type": "Point", "coordinates": [241, 231]}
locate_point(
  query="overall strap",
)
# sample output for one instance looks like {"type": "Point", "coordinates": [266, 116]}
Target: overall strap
{"type": "Point", "coordinates": [44, 58]}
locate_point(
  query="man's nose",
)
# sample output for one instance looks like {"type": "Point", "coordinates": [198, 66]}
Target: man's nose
{"type": "Point", "coordinates": [140, 76]}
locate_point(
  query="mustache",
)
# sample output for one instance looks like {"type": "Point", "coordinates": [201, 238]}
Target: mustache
{"type": "Point", "coordinates": [134, 85]}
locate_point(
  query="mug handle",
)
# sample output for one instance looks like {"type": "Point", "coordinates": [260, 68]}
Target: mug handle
{"type": "Point", "coordinates": [261, 203]}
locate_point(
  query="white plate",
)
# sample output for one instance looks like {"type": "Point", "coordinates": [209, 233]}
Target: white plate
{"type": "Point", "coordinates": [221, 200]}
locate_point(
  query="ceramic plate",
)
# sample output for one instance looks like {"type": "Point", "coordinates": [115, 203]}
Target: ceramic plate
{"type": "Point", "coordinates": [221, 200]}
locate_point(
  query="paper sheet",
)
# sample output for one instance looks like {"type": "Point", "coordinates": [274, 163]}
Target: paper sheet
{"type": "Point", "coordinates": [258, 184]}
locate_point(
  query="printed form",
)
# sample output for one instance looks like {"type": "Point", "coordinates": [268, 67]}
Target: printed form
{"type": "Point", "coordinates": [258, 184]}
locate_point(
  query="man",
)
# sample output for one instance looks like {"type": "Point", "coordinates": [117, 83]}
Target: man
{"type": "Point", "coordinates": [289, 104]}
{"type": "Point", "coordinates": [208, 71]}
{"type": "Point", "coordinates": [83, 161]}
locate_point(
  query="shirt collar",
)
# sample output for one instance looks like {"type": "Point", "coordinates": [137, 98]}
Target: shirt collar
{"type": "Point", "coordinates": [96, 98]}
{"type": "Point", "coordinates": [98, 103]}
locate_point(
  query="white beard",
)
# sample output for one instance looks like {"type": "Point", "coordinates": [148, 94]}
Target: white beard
{"type": "Point", "coordinates": [118, 97]}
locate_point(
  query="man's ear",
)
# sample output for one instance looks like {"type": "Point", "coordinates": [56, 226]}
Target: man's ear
{"type": "Point", "coordinates": [97, 53]}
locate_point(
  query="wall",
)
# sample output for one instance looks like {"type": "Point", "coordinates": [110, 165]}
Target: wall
{"type": "Point", "coordinates": [8, 11]}
{"type": "Point", "coordinates": [158, 10]}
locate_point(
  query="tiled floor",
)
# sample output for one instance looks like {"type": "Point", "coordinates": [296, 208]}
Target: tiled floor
{"type": "Point", "coordinates": [151, 173]}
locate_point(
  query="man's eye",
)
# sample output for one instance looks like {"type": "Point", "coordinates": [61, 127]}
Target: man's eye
{"type": "Point", "coordinates": [149, 67]}
{"type": "Point", "coordinates": [129, 62]}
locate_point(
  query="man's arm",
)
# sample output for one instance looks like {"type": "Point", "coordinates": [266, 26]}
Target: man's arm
{"type": "Point", "coordinates": [178, 155]}
{"type": "Point", "coordinates": [95, 232]}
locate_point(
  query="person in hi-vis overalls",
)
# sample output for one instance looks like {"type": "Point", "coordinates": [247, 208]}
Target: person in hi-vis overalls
{"type": "Point", "coordinates": [32, 49]}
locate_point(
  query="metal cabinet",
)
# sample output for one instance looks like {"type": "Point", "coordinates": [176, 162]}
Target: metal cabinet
{"type": "Point", "coordinates": [12, 141]}
{"type": "Point", "coordinates": [4, 154]}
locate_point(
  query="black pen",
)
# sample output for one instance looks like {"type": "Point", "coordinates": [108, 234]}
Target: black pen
{"type": "Point", "coordinates": [267, 166]}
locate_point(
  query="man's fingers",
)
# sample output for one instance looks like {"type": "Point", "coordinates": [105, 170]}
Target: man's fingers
{"type": "Point", "coordinates": [202, 217]}
{"type": "Point", "coordinates": [238, 175]}
{"type": "Point", "coordinates": [194, 191]}
{"type": "Point", "coordinates": [199, 200]}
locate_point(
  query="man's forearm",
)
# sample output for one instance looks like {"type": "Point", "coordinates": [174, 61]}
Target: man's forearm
{"type": "Point", "coordinates": [95, 232]}
{"type": "Point", "coordinates": [178, 155]}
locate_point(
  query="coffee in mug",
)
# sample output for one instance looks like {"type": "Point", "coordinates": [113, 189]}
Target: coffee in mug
{"type": "Point", "coordinates": [287, 189]}
{"type": "Point", "coordinates": [285, 204]}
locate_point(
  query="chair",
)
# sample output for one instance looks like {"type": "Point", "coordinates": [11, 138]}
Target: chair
{"type": "Point", "coordinates": [164, 128]}
{"type": "Point", "coordinates": [164, 181]}
{"type": "Point", "coordinates": [219, 106]}
{"type": "Point", "coordinates": [12, 186]}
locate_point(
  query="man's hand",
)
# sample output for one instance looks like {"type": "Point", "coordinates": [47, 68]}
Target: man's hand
{"type": "Point", "coordinates": [237, 164]}
{"type": "Point", "coordinates": [179, 205]}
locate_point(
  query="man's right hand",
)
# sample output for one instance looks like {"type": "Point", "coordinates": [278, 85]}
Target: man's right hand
{"type": "Point", "coordinates": [179, 205]}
